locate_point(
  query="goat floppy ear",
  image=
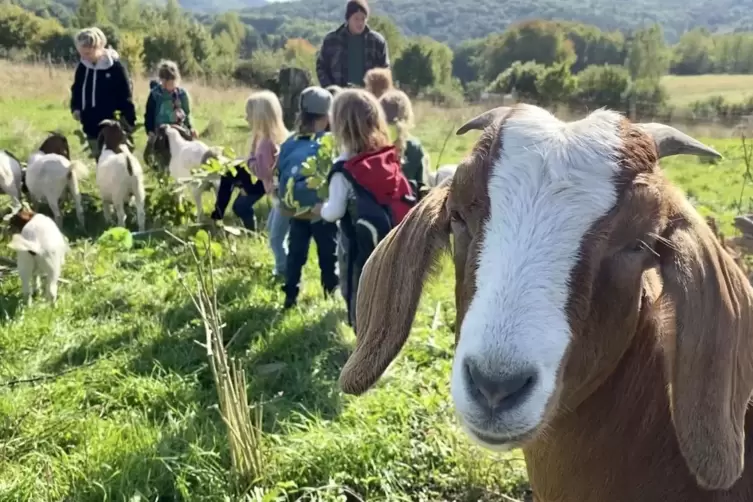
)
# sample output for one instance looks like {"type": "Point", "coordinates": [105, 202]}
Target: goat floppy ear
{"type": "Point", "coordinates": [390, 288]}
{"type": "Point", "coordinates": [710, 349]}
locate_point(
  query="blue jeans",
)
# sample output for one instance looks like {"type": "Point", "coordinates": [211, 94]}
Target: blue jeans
{"type": "Point", "coordinates": [325, 236]}
{"type": "Point", "coordinates": [243, 207]}
{"type": "Point", "coordinates": [278, 225]}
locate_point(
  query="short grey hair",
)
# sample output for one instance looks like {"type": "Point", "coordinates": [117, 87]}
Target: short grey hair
{"type": "Point", "coordinates": [91, 37]}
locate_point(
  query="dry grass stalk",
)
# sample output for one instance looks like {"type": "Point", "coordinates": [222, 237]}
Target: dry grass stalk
{"type": "Point", "coordinates": [244, 430]}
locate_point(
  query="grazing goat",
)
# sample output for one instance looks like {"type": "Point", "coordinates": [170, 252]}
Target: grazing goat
{"type": "Point", "coordinates": [119, 175]}
{"type": "Point", "coordinates": [13, 171]}
{"type": "Point", "coordinates": [40, 249]}
{"type": "Point", "coordinates": [600, 325]}
{"type": "Point", "coordinates": [50, 171]}
{"type": "Point", "coordinates": [185, 156]}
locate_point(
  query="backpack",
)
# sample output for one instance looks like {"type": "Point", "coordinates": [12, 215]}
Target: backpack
{"type": "Point", "coordinates": [383, 195]}
{"type": "Point", "coordinates": [293, 153]}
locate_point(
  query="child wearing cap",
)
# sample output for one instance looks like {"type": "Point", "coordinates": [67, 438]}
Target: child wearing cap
{"type": "Point", "coordinates": [304, 143]}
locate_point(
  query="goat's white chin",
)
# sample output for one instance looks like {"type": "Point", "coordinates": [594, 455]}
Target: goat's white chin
{"type": "Point", "coordinates": [492, 441]}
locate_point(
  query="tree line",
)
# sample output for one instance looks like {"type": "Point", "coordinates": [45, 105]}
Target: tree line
{"type": "Point", "coordinates": [547, 61]}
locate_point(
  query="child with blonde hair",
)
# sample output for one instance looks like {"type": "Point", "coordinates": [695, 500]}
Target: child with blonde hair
{"type": "Point", "coordinates": [378, 81]}
{"type": "Point", "coordinates": [268, 132]}
{"type": "Point", "coordinates": [414, 159]}
{"type": "Point", "coordinates": [101, 86]}
{"type": "Point", "coordinates": [368, 192]}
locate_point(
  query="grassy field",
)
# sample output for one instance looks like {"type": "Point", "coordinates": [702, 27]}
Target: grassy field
{"type": "Point", "coordinates": [684, 90]}
{"type": "Point", "coordinates": [122, 405]}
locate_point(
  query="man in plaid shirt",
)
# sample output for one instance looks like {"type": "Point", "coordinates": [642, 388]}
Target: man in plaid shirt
{"type": "Point", "coordinates": [351, 50]}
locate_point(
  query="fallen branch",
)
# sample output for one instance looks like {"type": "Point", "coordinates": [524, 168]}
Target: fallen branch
{"type": "Point", "coordinates": [42, 378]}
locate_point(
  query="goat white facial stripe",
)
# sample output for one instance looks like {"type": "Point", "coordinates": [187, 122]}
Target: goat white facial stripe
{"type": "Point", "coordinates": [550, 183]}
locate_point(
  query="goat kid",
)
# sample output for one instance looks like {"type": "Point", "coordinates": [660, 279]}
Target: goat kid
{"type": "Point", "coordinates": [50, 171]}
{"type": "Point", "coordinates": [40, 248]}
{"type": "Point", "coordinates": [185, 156]}
{"type": "Point", "coordinates": [119, 175]}
{"type": "Point", "coordinates": [600, 325]}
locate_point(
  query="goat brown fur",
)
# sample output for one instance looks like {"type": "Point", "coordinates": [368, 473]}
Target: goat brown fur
{"type": "Point", "coordinates": [113, 137]}
{"type": "Point", "coordinates": [652, 395]}
{"type": "Point", "coordinates": [18, 221]}
{"type": "Point", "coordinates": [56, 143]}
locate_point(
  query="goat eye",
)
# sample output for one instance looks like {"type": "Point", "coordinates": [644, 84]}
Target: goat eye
{"type": "Point", "coordinates": [640, 246]}
{"type": "Point", "coordinates": [635, 247]}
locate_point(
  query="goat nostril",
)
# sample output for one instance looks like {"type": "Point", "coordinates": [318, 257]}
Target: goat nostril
{"type": "Point", "coordinates": [501, 391]}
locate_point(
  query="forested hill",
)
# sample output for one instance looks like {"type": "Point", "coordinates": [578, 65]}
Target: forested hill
{"type": "Point", "coordinates": [453, 21]}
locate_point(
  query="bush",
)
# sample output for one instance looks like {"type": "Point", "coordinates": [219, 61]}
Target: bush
{"type": "Point", "coordinates": [474, 90]}
{"type": "Point", "coordinates": [604, 85]}
{"type": "Point", "coordinates": [555, 84]}
{"type": "Point", "coordinates": [450, 95]}
{"type": "Point", "coordinates": [261, 70]}
{"type": "Point", "coordinates": [521, 77]}
{"type": "Point", "coordinates": [650, 97]}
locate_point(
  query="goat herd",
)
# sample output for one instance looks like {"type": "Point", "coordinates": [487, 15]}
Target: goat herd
{"type": "Point", "coordinates": [600, 324]}
{"type": "Point", "coordinates": [50, 171]}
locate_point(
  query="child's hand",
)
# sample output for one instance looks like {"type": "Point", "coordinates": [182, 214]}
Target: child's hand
{"type": "Point", "coordinates": [317, 210]}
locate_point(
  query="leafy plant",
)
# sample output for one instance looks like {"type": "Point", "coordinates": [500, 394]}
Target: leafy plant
{"type": "Point", "coordinates": [203, 243]}
{"type": "Point", "coordinates": [116, 239]}
{"type": "Point", "coordinates": [316, 169]}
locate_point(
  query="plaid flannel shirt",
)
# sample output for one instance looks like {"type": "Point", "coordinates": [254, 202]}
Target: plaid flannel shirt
{"type": "Point", "coordinates": [332, 60]}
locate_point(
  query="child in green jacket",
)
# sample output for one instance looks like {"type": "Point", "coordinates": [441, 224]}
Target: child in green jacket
{"type": "Point", "coordinates": [168, 103]}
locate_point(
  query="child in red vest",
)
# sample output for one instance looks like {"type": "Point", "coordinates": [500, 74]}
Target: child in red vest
{"type": "Point", "coordinates": [368, 192]}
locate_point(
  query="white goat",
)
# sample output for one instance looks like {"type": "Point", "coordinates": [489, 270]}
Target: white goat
{"type": "Point", "coordinates": [119, 175]}
{"type": "Point", "coordinates": [186, 156]}
{"type": "Point", "coordinates": [48, 175]}
{"type": "Point", "coordinates": [11, 177]}
{"type": "Point", "coordinates": [40, 249]}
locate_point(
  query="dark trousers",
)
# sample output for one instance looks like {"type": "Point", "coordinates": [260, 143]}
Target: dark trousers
{"type": "Point", "coordinates": [299, 237]}
{"type": "Point", "coordinates": [254, 192]}
{"type": "Point", "coordinates": [357, 243]}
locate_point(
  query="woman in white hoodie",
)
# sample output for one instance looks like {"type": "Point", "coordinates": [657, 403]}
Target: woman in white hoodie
{"type": "Point", "coordinates": [101, 86]}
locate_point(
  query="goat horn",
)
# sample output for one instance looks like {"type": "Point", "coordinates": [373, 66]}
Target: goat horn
{"type": "Point", "coordinates": [669, 141]}
{"type": "Point", "coordinates": [481, 122]}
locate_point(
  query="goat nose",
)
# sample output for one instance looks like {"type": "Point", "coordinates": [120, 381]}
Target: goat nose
{"type": "Point", "coordinates": [499, 392]}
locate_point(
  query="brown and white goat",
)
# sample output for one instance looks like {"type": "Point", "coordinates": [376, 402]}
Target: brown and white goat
{"type": "Point", "coordinates": [119, 175]}
{"type": "Point", "coordinates": [40, 249]}
{"type": "Point", "coordinates": [600, 324]}
{"type": "Point", "coordinates": [13, 171]}
{"type": "Point", "coordinates": [50, 171]}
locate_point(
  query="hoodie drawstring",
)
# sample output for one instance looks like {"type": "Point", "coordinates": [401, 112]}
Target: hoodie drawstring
{"type": "Point", "coordinates": [83, 89]}
{"type": "Point", "coordinates": [94, 89]}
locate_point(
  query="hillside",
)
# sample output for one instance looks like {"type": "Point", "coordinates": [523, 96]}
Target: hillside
{"type": "Point", "coordinates": [459, 20]}
{"type": "Point", "coordinates": [455, 21]}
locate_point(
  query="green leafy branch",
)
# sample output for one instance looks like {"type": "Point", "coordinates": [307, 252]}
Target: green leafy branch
{"type": "Point", "coordinates": [316, 170]}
